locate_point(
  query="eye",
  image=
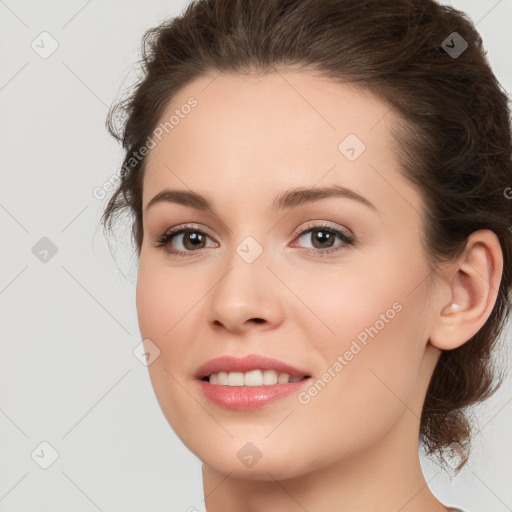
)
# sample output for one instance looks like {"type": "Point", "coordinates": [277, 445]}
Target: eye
{"type": "Point", "coordinates": [192, 239]}
{"type": "Point", "coordinates": [323, 237]}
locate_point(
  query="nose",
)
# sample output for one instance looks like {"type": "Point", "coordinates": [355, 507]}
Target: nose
{"type": "Point", "coordinates": [246, 296]}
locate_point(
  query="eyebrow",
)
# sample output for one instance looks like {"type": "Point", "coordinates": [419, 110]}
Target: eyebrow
{"type": "Point", "coordinates": [288, 199]}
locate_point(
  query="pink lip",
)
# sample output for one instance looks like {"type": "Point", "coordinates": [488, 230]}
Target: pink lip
{"type": "Point", "coordinates": [245, 364]}
{"type": "Point", "coordinates": [247, 398]}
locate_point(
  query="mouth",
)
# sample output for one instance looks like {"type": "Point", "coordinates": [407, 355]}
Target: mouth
{"type": "Point", "coordinates": [249, 383]}
{"type": "Point", "coordinates": [257, 377]}
{"type": "Point", "coordinates": [251, 370]}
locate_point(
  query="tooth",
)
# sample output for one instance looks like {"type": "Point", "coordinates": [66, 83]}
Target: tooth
{"type": "Point", "coordinates": [222, 378]}
{"type": "Point", "coordinates": [269, 377]}
{"type": "Point", "coordinates": [253, 378]}
{"type": "Point", "coordinates": [235, 379]}
{"type": "Point", "coordinates": [283, 378]}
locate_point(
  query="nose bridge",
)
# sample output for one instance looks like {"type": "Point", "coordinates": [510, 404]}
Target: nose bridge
{"type": "Point", "coordinates": [246, 268]}
{"type": "Point", "coordinates": [249, 241]}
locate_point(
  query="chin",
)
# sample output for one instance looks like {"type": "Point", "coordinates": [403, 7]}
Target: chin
{"type": "Point", "coordinates": [268, 468]}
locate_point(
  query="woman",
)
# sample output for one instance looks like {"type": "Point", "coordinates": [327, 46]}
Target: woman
{"type": "Point", "coordinates": [319, 192]}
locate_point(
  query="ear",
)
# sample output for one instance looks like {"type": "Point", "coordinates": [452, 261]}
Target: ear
{"type": "Point", "coordinates": [473, 283]}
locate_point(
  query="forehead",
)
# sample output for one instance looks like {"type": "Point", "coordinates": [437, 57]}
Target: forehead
{"type": "Point", "coordinates": [280, 130]}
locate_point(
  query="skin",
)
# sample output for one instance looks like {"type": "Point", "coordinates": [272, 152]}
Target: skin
{"type": "Point", "coordinates": [354, 446]}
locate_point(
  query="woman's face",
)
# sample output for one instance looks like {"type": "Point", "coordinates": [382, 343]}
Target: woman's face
{"type": "Point", "coordinates": [337, 288]}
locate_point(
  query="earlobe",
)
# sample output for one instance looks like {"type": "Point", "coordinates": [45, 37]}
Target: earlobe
{"type": "Point", "coordinates": [473, 282]}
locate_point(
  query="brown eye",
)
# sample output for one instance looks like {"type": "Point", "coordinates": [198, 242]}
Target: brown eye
{"type": "Point", "coordinates": [323, 239]}
{"type": "Point", "coordinates": [182, 241]}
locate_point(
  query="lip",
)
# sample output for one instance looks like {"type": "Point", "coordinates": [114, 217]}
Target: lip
{"type": "Point", "coordinates": [248, 398]}
{"type": "Point", "coordinates": [246, 364]}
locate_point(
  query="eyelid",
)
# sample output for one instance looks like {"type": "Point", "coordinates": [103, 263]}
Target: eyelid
{"type": "Point", "coordinates": [311, 225]}
{"type": "Point", "coordinates": [347, 238]}
{"type": "Point", "coordinates": [190, 226]}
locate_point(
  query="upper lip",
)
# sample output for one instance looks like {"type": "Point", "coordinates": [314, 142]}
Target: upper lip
{"type": "Point", "coordinates": [245, 364]}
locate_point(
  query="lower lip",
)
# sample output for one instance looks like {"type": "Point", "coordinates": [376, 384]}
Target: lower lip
{"type": "Point", "coordinates": [248, 398]}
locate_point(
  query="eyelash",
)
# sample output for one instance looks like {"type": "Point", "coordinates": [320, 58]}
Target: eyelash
{"type": "Point", "coordinates": [348, 240]}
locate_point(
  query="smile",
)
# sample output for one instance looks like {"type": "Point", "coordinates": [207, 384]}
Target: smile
{"type": "Point", "coordinates": [249, 382]}
{"type": "Point", "coordinates": [251, 378]}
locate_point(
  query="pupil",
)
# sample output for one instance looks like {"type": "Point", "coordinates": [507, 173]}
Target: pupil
{"type": "Point", "coordinates": [325, 235]}
{"type": "Point", "coordinates": [195, 238]}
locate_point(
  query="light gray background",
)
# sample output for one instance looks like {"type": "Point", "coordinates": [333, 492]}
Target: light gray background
{"type": "Point", "coordinates": [68, 327]}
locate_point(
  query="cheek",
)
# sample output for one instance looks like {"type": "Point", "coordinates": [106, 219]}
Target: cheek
{"type": "Point", "coordinates": [376, 353]}
{"type": "Point", "coordinates": [365, 301]}
{"type": "Point", "coordinates": [162, 303]}
{"type": "Point", "coordinates": [153, 308]}
{"type": "Point", "coordinates": [161, 299]}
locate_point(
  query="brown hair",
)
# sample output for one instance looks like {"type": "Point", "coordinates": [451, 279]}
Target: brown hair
{"type": "Point", "coordinates": [454, 141]}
